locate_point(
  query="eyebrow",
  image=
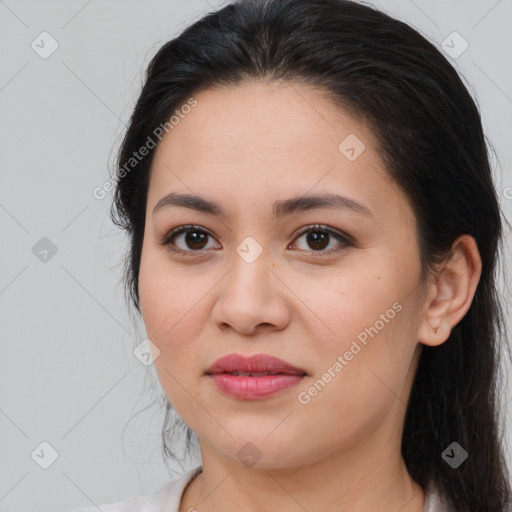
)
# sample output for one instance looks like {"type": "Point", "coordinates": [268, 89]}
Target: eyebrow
{"type": "Point", "coordinates": [281, 208]}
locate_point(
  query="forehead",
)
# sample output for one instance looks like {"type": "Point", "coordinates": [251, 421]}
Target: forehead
{"type": "Point", "coordinates": [254, 116]}
{"type": "Point", "coordinates": [256, 141]}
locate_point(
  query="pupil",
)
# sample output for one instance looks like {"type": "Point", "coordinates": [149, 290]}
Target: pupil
{"type": "Point", "coordinates": [189, 239]}
{"type": "Point", "coordinates": [313, 239]}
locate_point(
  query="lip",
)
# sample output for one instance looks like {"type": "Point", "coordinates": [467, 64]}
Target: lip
{"type": "Point", "coordinates": [246, 387]}
{"type": "Point", "coordinates": [253, 364]}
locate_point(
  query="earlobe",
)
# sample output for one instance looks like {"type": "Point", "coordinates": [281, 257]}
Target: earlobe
{"type": "Point", "coordinates": [451, 292]}
{"type": "Point", "coordinates": [434, 336]}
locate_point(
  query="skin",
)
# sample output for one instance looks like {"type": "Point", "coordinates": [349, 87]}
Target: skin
{"type": "Point", "coordinates": [246, 147]}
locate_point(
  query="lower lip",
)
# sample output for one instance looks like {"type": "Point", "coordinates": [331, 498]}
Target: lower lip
{"type": "Point", "coordinates": [254, 388]}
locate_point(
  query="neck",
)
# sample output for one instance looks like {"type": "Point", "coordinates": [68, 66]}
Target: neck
{"type": "Point", "coordinates": [359, 480]}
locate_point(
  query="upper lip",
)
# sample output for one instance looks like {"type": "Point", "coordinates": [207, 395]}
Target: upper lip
{"type": "Point", "coordinates": [253, 364]}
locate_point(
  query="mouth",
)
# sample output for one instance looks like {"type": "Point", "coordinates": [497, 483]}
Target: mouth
{"type": "Point", "coordinates": [254, 366]}
{"type": "Point", "coordinates": [254, 386]}
{"type": "Point", "coordinates": [254, 378]}
{"type": "Point", "coordinates": [256, 374]}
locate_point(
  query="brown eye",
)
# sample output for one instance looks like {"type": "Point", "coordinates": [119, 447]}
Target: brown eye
{"type": "Point", "coordinates": [318, 240]}
{"type": "Point", "coordinates": [193, 239]}
{"type": "Point", "coordinates": [319, 237]}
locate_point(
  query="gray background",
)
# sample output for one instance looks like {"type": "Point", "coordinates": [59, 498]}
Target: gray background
{"type": "Point", "coordinates": [68, 375]}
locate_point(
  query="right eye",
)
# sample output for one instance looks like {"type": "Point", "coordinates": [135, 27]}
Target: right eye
{"type": "Point", "coordinates": [195, 239]}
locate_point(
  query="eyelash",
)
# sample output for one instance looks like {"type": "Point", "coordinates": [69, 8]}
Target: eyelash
{"type": "Point", "coordinates": [169, 238]}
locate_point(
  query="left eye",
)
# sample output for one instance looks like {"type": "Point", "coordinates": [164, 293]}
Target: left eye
{"type": "Point", "coordinates": [196, 239]}
{"type": "Point", "coordinates": [318, 237]}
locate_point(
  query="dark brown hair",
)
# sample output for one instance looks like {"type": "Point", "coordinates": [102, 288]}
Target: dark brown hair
{"type": "Point", "coordinates": [431, 139]}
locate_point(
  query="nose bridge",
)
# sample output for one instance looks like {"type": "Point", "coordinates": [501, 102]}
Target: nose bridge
{"type": "Point", "coordinates": [249, 295]}
{"type": "Point", "coordinates": [250, 272]}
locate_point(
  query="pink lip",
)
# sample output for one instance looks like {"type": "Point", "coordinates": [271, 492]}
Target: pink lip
{"type": "Point", "coordinates": [256, 363]}
{"type": "Point", "coordinates": [253, 387]}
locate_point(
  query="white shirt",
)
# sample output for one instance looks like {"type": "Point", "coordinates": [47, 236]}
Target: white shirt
{"type": "Point", "coordinates": [168, 497]}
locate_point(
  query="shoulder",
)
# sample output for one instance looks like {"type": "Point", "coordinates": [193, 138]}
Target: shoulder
{"type": "Point", "coordinates": [434, 501]}
{"type": "Point", "coordinates": [169, 496]}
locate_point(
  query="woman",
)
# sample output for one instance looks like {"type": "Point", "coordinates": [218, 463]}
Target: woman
{"type": "Point", "coordinates": [314, 237]}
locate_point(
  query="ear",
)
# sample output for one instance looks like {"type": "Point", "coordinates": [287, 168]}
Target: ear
{"type": "Point", "coordinates": [451, 291]}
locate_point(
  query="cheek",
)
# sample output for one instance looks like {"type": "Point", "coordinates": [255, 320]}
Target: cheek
{"type": "Point", "coordinates": [356, 305]}
{"type": "Point", "coordinates": [356, 387]}
{"type": "Point", "coordinates": [363, 347]}
{"type": "Point", "coordinates": [167, 296]}
{"type": "Point", "coordinates": [172, 325]}
{"type": "Point", "coordinates": [174, 311]}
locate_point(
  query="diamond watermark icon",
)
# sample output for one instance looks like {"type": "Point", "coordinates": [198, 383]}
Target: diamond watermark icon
{"type": "Point", "coordinates": [44, 45]}
{"type": "Point", "coordinates": [44, 250]}
{"type": "Point", "coordinates": [249, 455]}
{"type": "Point", "coordinates": [146, 352]}
{"type": "Point", "coordinates": [249, 249]}
{"type": "Point", "coordinates": [455, 45]}
{"type": "Point", "coordinates": [44, 455]}
{"type": "Point", "coordinates": [454, 455]}
{"type": "Point", "coordinates": [351, 147]}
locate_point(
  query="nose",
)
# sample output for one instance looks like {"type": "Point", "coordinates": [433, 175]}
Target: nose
{"type": "Point", "coordinates": [251, 299]}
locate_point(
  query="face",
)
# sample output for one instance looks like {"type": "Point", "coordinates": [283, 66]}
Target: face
{"type": "Point", "coordinates": [333, 290]}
